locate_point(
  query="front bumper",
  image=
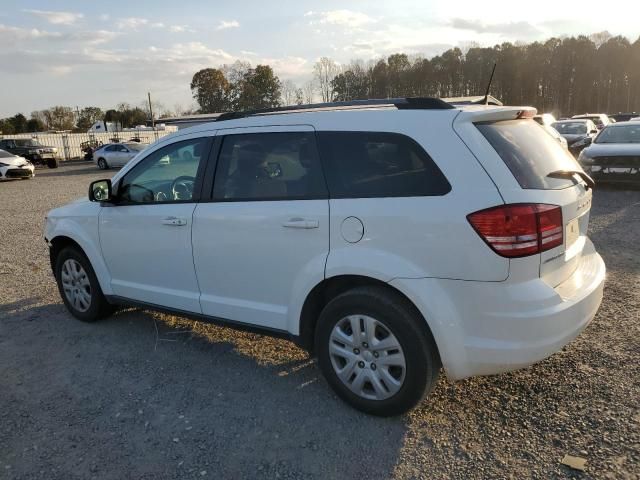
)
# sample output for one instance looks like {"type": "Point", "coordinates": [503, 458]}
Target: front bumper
{"type": "Point", "coordinates": [16, 172]}
{"type": "Point", "coordinates": [485, 328]}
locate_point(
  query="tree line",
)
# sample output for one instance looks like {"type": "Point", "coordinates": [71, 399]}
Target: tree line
{"type": "Point", "coordinates": [596, 73]}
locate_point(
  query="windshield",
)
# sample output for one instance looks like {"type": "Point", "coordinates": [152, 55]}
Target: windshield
{"type": "Point", "coordinates": [570, 128]}
{"type": "Point", "coordinates": [620, 134]}
{"type": "Point", "coordinates": [26, 143]}
{"type": "Point", "coordinates": [138, 147]}
{"type": "Point", "coordinates": [4, 154]}
{"type": "Point", "coordinates": [530, 153]}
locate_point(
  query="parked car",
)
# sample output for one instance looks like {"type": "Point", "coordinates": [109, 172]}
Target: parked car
{"type": "Point", "coordinates": [614, 156]}
{"type": "Point", "coordinates": [578, 133]}
{"type": "Point", "coordinates": [556, 135]}
{"type": "Point", "coordinates": [385, 248]}
{"type": "Point", "coordinates": [623, 117]}
{"type": "Point", "coordinates": [600, 119]}
{"type": "Point", "coordinates": [116, 154]}
{"type": "Point", "coordinates": [13, 166]}
{"type": "Point", "coordinates": [32, 150]}
{"type": "Point", "coordinates": [545, 119]}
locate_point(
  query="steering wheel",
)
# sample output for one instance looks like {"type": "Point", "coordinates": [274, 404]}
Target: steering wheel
{"type": "Point", "coordinates": [182, 187]}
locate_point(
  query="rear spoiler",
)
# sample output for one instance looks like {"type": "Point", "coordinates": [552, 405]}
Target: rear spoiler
{"type": "Point", "coordinates": [494, 114]}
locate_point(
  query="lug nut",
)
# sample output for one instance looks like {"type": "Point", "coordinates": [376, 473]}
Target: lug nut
{"type": "Point", "coordinates": [376, 354]}
{"type": "Point", "coordinates": [361, 364]}
{"type": "Point", "coordinates": [373, 366]}
{"type": "Point", "coordinates": [356, 351]}
{"type": "Point", "coordinates": [365, 345]}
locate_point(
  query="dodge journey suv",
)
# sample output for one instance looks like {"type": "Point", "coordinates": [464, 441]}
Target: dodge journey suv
{"type": "Point", "coordinates": [391, 239]}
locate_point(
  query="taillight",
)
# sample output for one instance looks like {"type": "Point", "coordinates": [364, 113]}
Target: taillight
{"type": "Point", "coordinates": [519, 229]}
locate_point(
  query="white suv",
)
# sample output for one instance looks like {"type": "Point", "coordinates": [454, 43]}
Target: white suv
{"type": "Point", "coordinates": [389, 238]}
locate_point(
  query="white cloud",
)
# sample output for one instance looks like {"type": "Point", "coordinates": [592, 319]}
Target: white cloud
{"type": "Point", "coordinates": [9, 36]}
{"type": "Point", "coordinates": [157, 25]}
{"type": "Point", "coordinates": [56, 18]}
{"type": "Point", "coordinates": [180, 28]}
{"type": "Point", "coordinates": [226, 24]}
{"type": "Point", "coordinates": [131, 23]}
{"type": "Point", "coordinates": [248, 53]}
{"type": "Point", "coordinates": [104, 17]}
{"type": "Point", "coordinates": [510, 29]}
{"type": "Point", "coordinates": [343, 18]}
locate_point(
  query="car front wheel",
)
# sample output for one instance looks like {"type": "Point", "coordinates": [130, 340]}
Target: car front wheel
{"type": "Point", "coordinates": [376, 351]}
{"type": "Point", "coordinates": [79, 287]}
{"type": "Point", "coordinates": [102, 164]}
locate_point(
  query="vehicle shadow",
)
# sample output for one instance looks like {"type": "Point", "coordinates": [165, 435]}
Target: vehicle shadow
{"type": "Point", "coordinates": [65, 171]}
{"type": "Point", "coordinates": [234, 403]}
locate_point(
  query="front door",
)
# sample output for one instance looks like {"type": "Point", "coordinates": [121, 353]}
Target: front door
{"type": "Point", "coordinates": [146, 236]}
{"type": "Point", "coordinates": [263, 239]}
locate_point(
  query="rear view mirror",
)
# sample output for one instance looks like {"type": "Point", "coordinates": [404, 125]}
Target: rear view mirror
{"type": "Point", "coordinates": [100, 191]}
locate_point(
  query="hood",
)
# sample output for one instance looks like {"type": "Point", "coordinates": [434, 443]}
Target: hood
{"type": "Point", "coordinates": [613, 150]}
{"type": "Point", "coordinates": [14, 161]}
{"type": "Point", "coordinates": [573, 137]}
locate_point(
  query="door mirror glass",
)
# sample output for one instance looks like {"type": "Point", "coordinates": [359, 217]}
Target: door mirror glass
{"type": "Point", "coordinates": [100, 191]}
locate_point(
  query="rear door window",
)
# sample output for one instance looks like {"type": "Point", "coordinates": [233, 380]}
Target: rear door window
{"type": "Point", "coordinates": [378, 164]}
{"type": "Point", "coordinates": [530, 153]}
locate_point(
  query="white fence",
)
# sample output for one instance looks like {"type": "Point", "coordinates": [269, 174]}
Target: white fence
{"type": "Point", "coordinates": [69, 144]}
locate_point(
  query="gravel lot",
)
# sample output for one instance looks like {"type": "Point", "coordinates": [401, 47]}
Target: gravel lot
{"type": "Point", "coordinates": [144, 395]}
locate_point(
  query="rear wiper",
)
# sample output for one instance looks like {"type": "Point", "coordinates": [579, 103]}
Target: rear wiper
{"type": "Point", "coordinates": [570, 173]}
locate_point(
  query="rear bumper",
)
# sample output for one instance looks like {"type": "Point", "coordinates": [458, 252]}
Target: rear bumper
{"type": "Point", "coordinates": [484, 328]}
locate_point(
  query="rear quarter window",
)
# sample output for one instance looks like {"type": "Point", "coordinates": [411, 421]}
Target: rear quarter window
{"type": "Point", "coordinates": [530, 153]}
{"type": "Point", "coordinates": [378, 164]}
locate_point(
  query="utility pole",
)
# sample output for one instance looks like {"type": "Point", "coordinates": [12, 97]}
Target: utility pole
{"type": "Point", "coordinates": [151, 110]}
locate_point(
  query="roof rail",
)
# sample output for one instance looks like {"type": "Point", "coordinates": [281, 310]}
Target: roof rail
{"type": "Point", "coordinates": [410, 103]}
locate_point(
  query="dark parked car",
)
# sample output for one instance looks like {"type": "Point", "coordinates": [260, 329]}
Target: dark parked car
{"type": "Point", "coordinates": [623, 117]}
{"type": "Point", "coordinates": [578, 133]}
{"type": "Point", "coordinates": [614, 156]}
{"type": "Point", "coordinates": [31, 150]}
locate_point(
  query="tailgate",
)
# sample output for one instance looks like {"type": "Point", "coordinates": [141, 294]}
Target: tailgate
{"type": "Point", "coordinates": [519, 155]}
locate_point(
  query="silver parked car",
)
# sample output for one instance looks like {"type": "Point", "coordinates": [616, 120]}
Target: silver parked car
{"type": "Point", "coordinates": [614, 156]}
{"type": "Point", "coordinates": [116, 154]}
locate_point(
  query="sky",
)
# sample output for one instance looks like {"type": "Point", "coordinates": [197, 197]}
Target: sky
{"type": "Point", "coordinates": [100, 53]}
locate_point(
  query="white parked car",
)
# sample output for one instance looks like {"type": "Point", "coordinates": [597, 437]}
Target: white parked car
{"type": "Point", "coordinates": [116, 154]}
{"type": "Point", "coordinates": [385, 248]}
{"type": "Point", "coordinates": [13, 166]}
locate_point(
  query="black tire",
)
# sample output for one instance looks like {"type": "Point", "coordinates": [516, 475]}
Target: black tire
{"type": "Point", "coordinates": [403, 320]}
{"type": "Point", "coordinates": [52, 163]}
{"type": "Point", "coordinates": [102, 164]}
{"type": "Point", "coordinates": [98, 307]}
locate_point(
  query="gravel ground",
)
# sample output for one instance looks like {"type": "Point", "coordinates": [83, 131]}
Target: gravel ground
{"type": "Point", "coordinates": [144, 395]}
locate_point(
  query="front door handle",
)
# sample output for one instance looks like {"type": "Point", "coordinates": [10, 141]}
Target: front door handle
{"type": "Point", "coordinates": [174, 221]}
{"type": "Point", "coordinates": [301, 223]}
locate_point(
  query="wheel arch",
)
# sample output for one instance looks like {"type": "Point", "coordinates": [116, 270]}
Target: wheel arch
{"type": "Point", "coordinates": [331, 287]}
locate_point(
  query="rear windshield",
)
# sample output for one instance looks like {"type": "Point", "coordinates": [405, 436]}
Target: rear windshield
{"type": "Point", "coordinates": [571, 128]}
{"type": "Point", "coordinates": [529, 152]}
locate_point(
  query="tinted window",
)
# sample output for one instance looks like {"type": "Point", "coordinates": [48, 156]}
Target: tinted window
{"type": "Point", "coordinates": [620, 134]}
{"type": "Point", "coordinates": [165, 175]}
{"type": "Point", "coordinates": [269, 166]}
{"type": "Point", "coordinates": [529, 152]}
{"type": "Point", "coordinates": [372, 164]}
{"type": "Point", "coordinates": [110, 148]}
{"type": "Point", "coordinates": [571, 128]}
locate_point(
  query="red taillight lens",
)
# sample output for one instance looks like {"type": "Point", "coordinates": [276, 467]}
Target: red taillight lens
{"type": "Point", "coordinates": [519, 230]}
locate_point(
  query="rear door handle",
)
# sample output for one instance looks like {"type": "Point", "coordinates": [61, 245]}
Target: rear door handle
{"type": "Point", "coordinates": [301, 223]}
{"type": "Point", "coordinates": [174, 221]}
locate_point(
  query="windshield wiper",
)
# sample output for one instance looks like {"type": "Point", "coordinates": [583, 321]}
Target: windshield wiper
{"type": "Point", "coordinates": [570, 173]}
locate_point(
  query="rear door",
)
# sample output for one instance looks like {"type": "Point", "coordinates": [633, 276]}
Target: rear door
{"type": "Point", "coordinates": [262, 239]}
{"type": "Point", "coordinates": [519, 155]}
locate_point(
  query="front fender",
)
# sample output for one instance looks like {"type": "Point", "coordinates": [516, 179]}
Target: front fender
{"type": "Point", "coordinates": [83, 231]}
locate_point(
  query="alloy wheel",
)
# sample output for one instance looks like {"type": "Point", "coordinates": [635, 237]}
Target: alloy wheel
{"type": "Point", "coordinates": [76, 285]}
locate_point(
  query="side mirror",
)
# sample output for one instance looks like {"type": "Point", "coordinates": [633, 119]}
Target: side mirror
{"type": "Point", "coordinates": [593, 131]}
{"type": "Point", "coordinates": [100, 191]}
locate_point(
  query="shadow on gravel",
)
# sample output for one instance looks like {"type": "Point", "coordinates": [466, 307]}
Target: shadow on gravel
{"type": "Point", "coordinates": [144, 394]}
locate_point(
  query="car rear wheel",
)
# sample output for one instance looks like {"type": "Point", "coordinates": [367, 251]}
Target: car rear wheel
{"type": "Point", "coordinates": [375, 351]}
{"type": "Point", "coordinates": [52, 163]}
{"type": "Point", "coordinates": [79, 287]}
{"type": "Point", "coordinates": [102, 164]}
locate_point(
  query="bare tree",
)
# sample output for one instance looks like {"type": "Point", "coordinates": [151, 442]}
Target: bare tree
{"type": "Point", "coordinates": [288, 92]}
{"type": "Point", "coordinates": [325, 71]}
{"type": "Point", "coordinates": [309, 91]}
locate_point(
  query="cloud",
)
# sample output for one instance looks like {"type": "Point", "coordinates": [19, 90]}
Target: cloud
{"type": "Point", "coordinates": [180, 28]}
{"type": "Point", "coordinates": [226, 24]}
{"type": "Point", "coordinates": [56, 18]}
{"type": "Point", "coordinates": [343, 18]}
{"type": "Point", "coordinates": [131, 23]}
{"type": "Point", "coordinates": [248, 53]}
{"type": "Point", "coordinates": [9, 36]}
{"type": "Point", "coordinates": [522, 29]}
{"type": "Point", "coordinates": [157, 25]}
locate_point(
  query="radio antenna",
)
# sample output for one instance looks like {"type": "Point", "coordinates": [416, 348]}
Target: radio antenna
{"type": "Point", "coordinates": [486, 95]}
